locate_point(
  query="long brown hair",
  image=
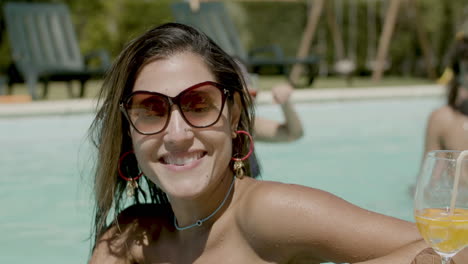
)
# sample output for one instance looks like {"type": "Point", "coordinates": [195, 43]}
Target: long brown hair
{"type": "Point", "coordinates": [458, 54]}
{"type": "Point", "coordinates": [109, 131]}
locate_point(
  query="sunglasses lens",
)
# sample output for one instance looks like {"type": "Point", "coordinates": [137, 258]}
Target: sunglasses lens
{"type": "Point", "coordinates": [202, 106]}
{"type": "Point", "coordinates": [148, 112]}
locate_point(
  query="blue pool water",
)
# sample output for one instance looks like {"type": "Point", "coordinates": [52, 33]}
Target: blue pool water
{"type": "Point", "coordinates": [366, 152]}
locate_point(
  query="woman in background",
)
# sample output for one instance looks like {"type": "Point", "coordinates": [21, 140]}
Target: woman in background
{"type": "Point", "coordinates": [269, 130]}
{"type": "Point", "coordinates": [447, 126]}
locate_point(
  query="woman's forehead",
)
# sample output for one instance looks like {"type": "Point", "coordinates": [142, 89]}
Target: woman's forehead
{"type": "Point", "coordinates": [173, 74]}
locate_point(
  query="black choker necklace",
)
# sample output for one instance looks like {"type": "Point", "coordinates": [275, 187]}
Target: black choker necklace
{"type": "Point", "coordinates": [201, 221]}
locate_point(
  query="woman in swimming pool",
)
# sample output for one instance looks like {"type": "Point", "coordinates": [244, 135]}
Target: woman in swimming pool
{"type": "Point", "coordinates": [268, 130]}
{"type": "Point", "coordinates": [173, 132]}
{"type": "Point", "coordinates": [447, 126]}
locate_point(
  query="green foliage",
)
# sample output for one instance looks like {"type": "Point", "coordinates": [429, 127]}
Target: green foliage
{"type": "Point", "coordinates": [139, 16]}
{"type": "Point", "coordinates": [110, 24]}
{"type": "Point", "coordinates": [283, 23]}
{"type": "Point", "coordinates": [267, 23]}
{"type": "Point", "coordinates": [105, 24]}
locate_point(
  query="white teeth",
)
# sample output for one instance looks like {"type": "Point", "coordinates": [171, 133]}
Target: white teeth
{"type": "Point", "coordinates": [182, 159]}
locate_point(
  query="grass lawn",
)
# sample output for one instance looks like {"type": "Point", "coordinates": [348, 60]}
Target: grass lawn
{"type": "Point", "coordinates": [58, 90]}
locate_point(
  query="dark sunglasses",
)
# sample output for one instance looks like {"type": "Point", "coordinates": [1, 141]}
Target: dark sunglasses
{"type": "Point", "coordinates": [200, 105]}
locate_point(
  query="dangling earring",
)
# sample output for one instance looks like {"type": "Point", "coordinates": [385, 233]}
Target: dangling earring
{"type": "Point", "coordinates": [132, 183]}
{"type": "Point", "coordinates": [239, 168]}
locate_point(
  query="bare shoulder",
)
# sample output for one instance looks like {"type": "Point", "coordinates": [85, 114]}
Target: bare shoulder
{"type": "Point", "coordinates": [271, 192]}
{"type": "Point", "coordinates": [299, 204]}
{"type": "Point", "coordinates": [268, 208]}
{"type": "Point", "coordinates": [303, 222]}
{"type": "Point", "coordinates": [442, 114]}
{"type": "Point", "coordinates": [135, 226]}
{"type": "Point", "coordinates": [264, 193]}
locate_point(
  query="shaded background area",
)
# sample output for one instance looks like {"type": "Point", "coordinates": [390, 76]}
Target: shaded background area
{"type": "Point", "coordinates": [111, 24]}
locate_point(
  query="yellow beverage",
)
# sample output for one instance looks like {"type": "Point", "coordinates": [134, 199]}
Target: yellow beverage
{"type": "Point", "coordinates": [446, 233]}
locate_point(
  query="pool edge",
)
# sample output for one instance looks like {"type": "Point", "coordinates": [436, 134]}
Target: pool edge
{"type": "Point", "coordinates": [83, 106]}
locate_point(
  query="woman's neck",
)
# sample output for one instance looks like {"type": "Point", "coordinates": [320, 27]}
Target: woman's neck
{"type": "Point", "coordinates": [204, 211]}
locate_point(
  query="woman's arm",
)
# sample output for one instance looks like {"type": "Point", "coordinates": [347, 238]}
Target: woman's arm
{"type": "Point", "coordinates": [317, 226]}
{"type": "Point", "coordinates": [461, 257]}
{"type": "Point", "coordinates": [415, 253]}
{"type": "Point", "coordinates": [273, 131]}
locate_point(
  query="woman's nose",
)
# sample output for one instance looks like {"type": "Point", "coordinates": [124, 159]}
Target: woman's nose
{"type": "Point", "coordinates": [178, 131]}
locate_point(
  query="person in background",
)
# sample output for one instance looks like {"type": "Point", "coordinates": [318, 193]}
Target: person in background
{"type": "Point", "coordinates": [194, 4]}
{"type": "Point", "coordinates": [173, 138]}
{"type": "Point", "coordinates": [290, 129]}
{"type": "Point", "coordinates": [447, 126]}
{"type": "Point", "coordinates": [265, 129]}
{"type": "Point", "coordinates": [269, 130]}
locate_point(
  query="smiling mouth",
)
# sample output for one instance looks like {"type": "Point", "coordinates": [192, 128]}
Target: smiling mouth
{"type": "Point", "coordinates": [181, 159]}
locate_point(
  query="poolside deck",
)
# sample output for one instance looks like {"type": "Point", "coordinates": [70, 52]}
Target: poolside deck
{"type": "Point", "coordinates": [79, 106]}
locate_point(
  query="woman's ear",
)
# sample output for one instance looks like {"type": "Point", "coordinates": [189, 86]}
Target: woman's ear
{"type": "Point", "coordinates": [235, 114]}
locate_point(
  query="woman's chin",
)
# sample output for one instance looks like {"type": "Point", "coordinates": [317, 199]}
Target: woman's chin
{"type": "Point", "coordinates": [187, 186]}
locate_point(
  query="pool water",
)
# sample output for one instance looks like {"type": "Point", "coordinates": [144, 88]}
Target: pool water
{"type": "Point", "coordinates": [367, 152]}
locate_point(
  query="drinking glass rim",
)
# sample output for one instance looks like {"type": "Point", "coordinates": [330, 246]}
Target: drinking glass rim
{"type": "Point", "coordinates": [433, 154]}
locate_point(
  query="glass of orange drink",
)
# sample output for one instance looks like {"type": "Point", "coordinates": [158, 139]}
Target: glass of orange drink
{"type": "Point", "coordinates": [441, 202]}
